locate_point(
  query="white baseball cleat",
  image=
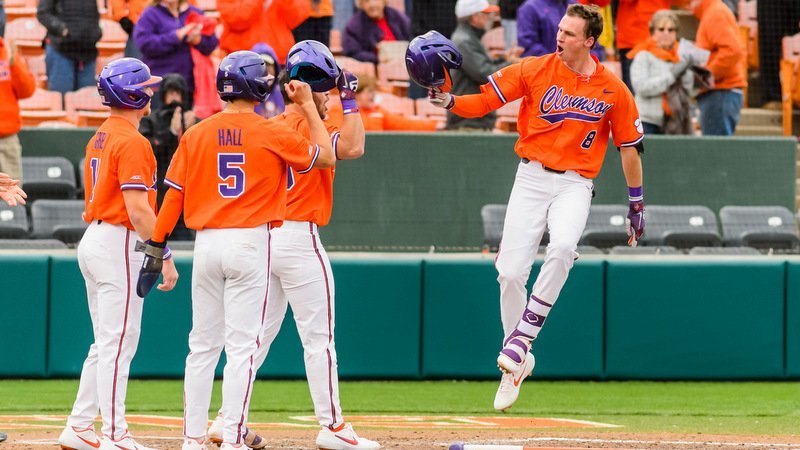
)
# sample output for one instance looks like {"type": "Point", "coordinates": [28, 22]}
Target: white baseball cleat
{"type": "Point", "coordinates": [77, 438]}
{"type": "Point", "coordinates": [513, 374]}
{"type": "Point", "coordinates": [126, 442]}
{"type": "Point", "coordinates": [229, 446]}
{"type": "Point", "coordinates": [343, 438]}
{"type": "Point", "coordinates": [251, 438]}
{"type": "Point", "coordinates": [194, 444]}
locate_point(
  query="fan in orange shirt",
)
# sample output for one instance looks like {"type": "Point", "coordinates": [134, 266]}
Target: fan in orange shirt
{"type": "Point", "coordinates": [229, 176]}
{"type": "Point", "coordinates": [569, 106]}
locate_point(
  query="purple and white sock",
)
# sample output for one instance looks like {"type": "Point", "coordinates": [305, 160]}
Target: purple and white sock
{"type": "Point", "coordinates": [519, 341]}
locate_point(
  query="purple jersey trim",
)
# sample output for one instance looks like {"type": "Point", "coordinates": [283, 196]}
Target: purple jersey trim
{"type": "Point", "coordinates": [336, 136]}
{"type": "Point", "coordinates": [497, 89]}
{"type": "Point", "coordinates": [134, 186]}
{"type": "Point", "coordinates": [632, 143]}
{"type": "Point", "coordinates": [173, 184]}
{"type": "Point", "coordinates": [313, 161]}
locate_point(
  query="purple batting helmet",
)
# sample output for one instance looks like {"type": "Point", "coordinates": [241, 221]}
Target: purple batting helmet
{"type": "Point", "coordinates": [312, 62]}
{"type": "Point", "coordinates": [243, 74]}
{"type": "Point", "coordinates": [429, 58]}
{"type": "Point", "coordinates": [122, 84]}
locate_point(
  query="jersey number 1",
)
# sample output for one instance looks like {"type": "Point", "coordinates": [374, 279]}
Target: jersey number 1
{"type": "Point", "coordinates": [229, 168]}
{"type": "Point", "coordinates": [94, 165]}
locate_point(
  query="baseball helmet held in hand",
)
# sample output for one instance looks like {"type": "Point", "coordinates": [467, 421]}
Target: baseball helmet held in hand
{"type": "Point", "coordinates": [243, 74]}
{"type": "Point", "coordinates": [122, 84]}
{"type": "Point", "coordinates": [313, 63]}
{"type": "Point", "coordinates": [429, 58]}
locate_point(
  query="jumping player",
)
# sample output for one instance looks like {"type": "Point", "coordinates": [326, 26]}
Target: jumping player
{"type": "Point", "coordinates": [570, 104]}
{"type": "Point", "coordinates": [301, 272]}
{"type": "Point", "coordinates": [120, 180]}
{"type": "Point", "coordinates": [229, 176]}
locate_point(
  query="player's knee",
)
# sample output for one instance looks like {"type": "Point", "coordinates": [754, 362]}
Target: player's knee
{"type": "Point", "coordinates": [562, 251]}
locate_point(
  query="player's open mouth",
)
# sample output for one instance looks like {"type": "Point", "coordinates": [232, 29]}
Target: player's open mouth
{"type": "Point", "coordinates": [559, 49]}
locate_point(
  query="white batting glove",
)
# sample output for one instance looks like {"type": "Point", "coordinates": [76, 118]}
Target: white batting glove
{"type": "Point", "coordinates": [440, 99]}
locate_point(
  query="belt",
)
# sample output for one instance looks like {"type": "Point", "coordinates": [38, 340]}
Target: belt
{"type": "Point", "coordinates": [549, 169]}
{"type": "Point", "coordinates": [99, 222]}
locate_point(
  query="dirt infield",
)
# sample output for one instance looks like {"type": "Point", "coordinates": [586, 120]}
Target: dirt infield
{"type": "Point", "coordinates": [416, 433]}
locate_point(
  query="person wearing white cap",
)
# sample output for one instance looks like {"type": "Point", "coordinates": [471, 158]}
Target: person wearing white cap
{"type": "Point", "coordinates": [474, 18]}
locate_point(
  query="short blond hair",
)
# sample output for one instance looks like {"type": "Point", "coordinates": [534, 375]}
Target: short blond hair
{"type": "Point", "coordinates": [662, 15]}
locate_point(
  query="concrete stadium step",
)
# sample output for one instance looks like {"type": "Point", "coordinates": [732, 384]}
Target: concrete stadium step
{"type": "Point", "coordinates": [758, 130]}
{"type": "Point", "coordinates": [760, 117]}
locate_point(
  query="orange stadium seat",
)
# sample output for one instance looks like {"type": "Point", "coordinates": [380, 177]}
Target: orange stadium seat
{"type": "Point", "coordinates": [56, 124]}
{"type": "Point", "coordinates": [356, 66]}
{"type": "Point", "coordinates": [114, 38]}
{"type": "Point", "coordinates": [103, 61]}
{"type": "Point", "coordinates": [84, 106]}
{"type": "Point", "coordinates": [393, 77]}
{"type": "Point", "coordinates": [494, 41]}
{"type": "Point", "coordinates": [32, 118]}
{"type": "Point", "coordinates": [335, 43]}
{"type": "Point", "coordinates": [790, 79]}
{"type": "Point", "coordinates": [507, 116]}
{"type": "Point", "coordinates": [28, 34]}
{"type": "Point", "coordinates": [748, 26]}
{"type": "Point", "coordinates": [395, 104]}
{"type": "Point", "coordinates": [43, 100]}
{"type": "Point", "coordinates": [20, 12]}
{"type": "Point", "coordinates": [38, 68]}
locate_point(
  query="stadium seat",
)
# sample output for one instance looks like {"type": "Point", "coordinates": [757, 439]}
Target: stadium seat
{"type": "Point", "coordinates": [395, 104]}
{"type": "Point", "coordinates": [48, 177]}
{"type": "Point", "coordinates": [656, 250]}
{"type": "Point", "coordinates": [13, 222]}
{"type": "Point", "coordinates": [605, 227]}
{"type": "Point", "coordinates": [507, 116]}
{"type": "Point", "coordinates": [28, 34]}
{"type": "Point", "coordinates": [35, 118]}
{"type": "Point", "coordinates": [585, 250]}
{"type": "Point", "coordinates": [335, 42]}
{"type": "Point", "coordinates": [60, 219]}
{"type": "Point", "coordinates": [84, 99]}
{"type": "Point", "coordinates": [494, 41]}
{"type": "Point", "coordinates": [762, 227]}
{"type": "Point", "coordinates": [426, 109]}
{"type": "Point", "coordinates": [681, 226]}
{"type": "Point", "coordinates": [355, 66]}
{"type": "Point", "coordinates": [735, 251]}
{"type": "Point", "coordinates": [493, 216]}
{"type": "Point", "coordinates": [748, 25]}
{"type": "Point", "coordinates": [114, 38]}
{"type": "Point", "coordinates": [393, 77]}
{"type": "Point", "coordinates": [102, 61]}
{"type": "Point", "coordinates": [56, 124]}
{"type": "Point", "coordinates": [43, 100]}
{"type": "Point", "coordinates": [38, 68]}
{"type": "Point", "coordinates": [32, 244]}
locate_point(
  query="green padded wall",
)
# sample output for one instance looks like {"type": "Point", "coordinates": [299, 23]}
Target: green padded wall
{"type": "Point", "coordinates": [462, 332]}
{"type": "Point", "coordinates": [70, 326]}
{"type": "Point", "coordinates": [23, 321]}
{"type": "Point", "coordinates": [793, 318]}
{"type": "Point", "coordinates": [422, 190]}
{"type": "Point", "coordinates": [695, 319]}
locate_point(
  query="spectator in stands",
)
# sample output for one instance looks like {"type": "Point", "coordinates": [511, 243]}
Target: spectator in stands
{"type": "Point", "coordinates": [73, 29]}
{"type": "Point", "coordinates": [662, 80]}
{"type": "Point", "coordinates": [165, 39]}
{"type": "Point", "coordinates": [508, 18]}
{"type": "Point", "coordinates": [633, 18]}
{"type": "Point", "coordinates": [127, 13]}
{"type": "Point", "coordinates": [164, 128]}
{"type": "Point", "coordinates": [318, 24]}
{"type": "Point", "coordinates": [378, 118]}
{"type": "Point", "coordinates": [776, 19]}
{"type": "Point", "coordinates": [429, 15]}
{"type": "Point", "coordinates": [15, 84]}
{"type": "Point", "coordinates": [274, 104]}
{"type": "Point", "coordinates": [537, 26]}
{"type": "Point", "coordinates": [373, 23]}
{"type": "Point", "coordinates": [474, 18]}
{"type": "Point", "coordinates": [718, 32]}
{"type": "Point", "coordinates": [244, 23]}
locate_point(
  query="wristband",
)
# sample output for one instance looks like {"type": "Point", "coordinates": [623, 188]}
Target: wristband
{"type": "Point", "coordinates": [349, 106]}
{"type": "Point", "coordinates": [635, 194]}
{"type": "Point", "coordinates": [167, 253]}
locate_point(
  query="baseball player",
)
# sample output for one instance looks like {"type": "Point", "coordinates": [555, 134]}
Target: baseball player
{"type": "Point", "coordinates": [570, 103]}
{"type": "Point", "coordinates": [301, 272]}
{"type": "Point", "coordinates": [120, 209]}
{"type": "Point", "coordinates": [10, 192]}
{"type": "Point", "coordinates": [229, 177]}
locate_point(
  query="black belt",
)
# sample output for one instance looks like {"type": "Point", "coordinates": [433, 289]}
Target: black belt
{"type": "Point", "coordinates": [549, 169]}
{"type": "Point", "coordinates": [99, 222]}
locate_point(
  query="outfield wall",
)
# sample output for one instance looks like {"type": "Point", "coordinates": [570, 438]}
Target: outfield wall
{"type": "Point", "coordinates": [437, 316]}
{"type": "Point", "coordinates": [414, 191]}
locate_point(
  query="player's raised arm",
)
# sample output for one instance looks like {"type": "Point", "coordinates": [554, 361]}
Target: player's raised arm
{"type": "Point", "coordinates": [350, 141]}
{"type": "Point", "coordinates": [300, 93]}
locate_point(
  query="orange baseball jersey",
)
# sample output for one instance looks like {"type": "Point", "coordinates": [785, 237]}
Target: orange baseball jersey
{"type": "Point", "coordinates": [117, 158]}
{"type": "Point", "coordinates": [564, 118]}
{"type": "Point", "coordinates": [230, 171]}
{"type": "Point", "coordinates": [310, 196]}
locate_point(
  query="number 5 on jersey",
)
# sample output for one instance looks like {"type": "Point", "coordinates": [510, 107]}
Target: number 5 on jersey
{"type": "Point", "coordinates": [230, 171]}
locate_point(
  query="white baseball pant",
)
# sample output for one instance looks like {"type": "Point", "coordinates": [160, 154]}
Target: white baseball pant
{"type": "Point", "coordinates": [302, 277]}
{"type": "Point", "coordinates": [110, 267]}
{"type": "Point", "coordinates": [539, 199]}
{"type": "Point", "coordinates": [230, 277]}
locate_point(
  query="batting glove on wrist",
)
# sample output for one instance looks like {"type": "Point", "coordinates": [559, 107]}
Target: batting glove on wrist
{"type": "Point", "coordinates": [154, 255]}
{"type": "Point", "coordinates": [441, 99]}
{"type": "Point", "coordinates": [348, 85]}
{"type": "Point", "coordinates": [634, 223]}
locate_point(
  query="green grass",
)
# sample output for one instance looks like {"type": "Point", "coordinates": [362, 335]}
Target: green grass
{"type": "Point", "coordinates": [724, 408]}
